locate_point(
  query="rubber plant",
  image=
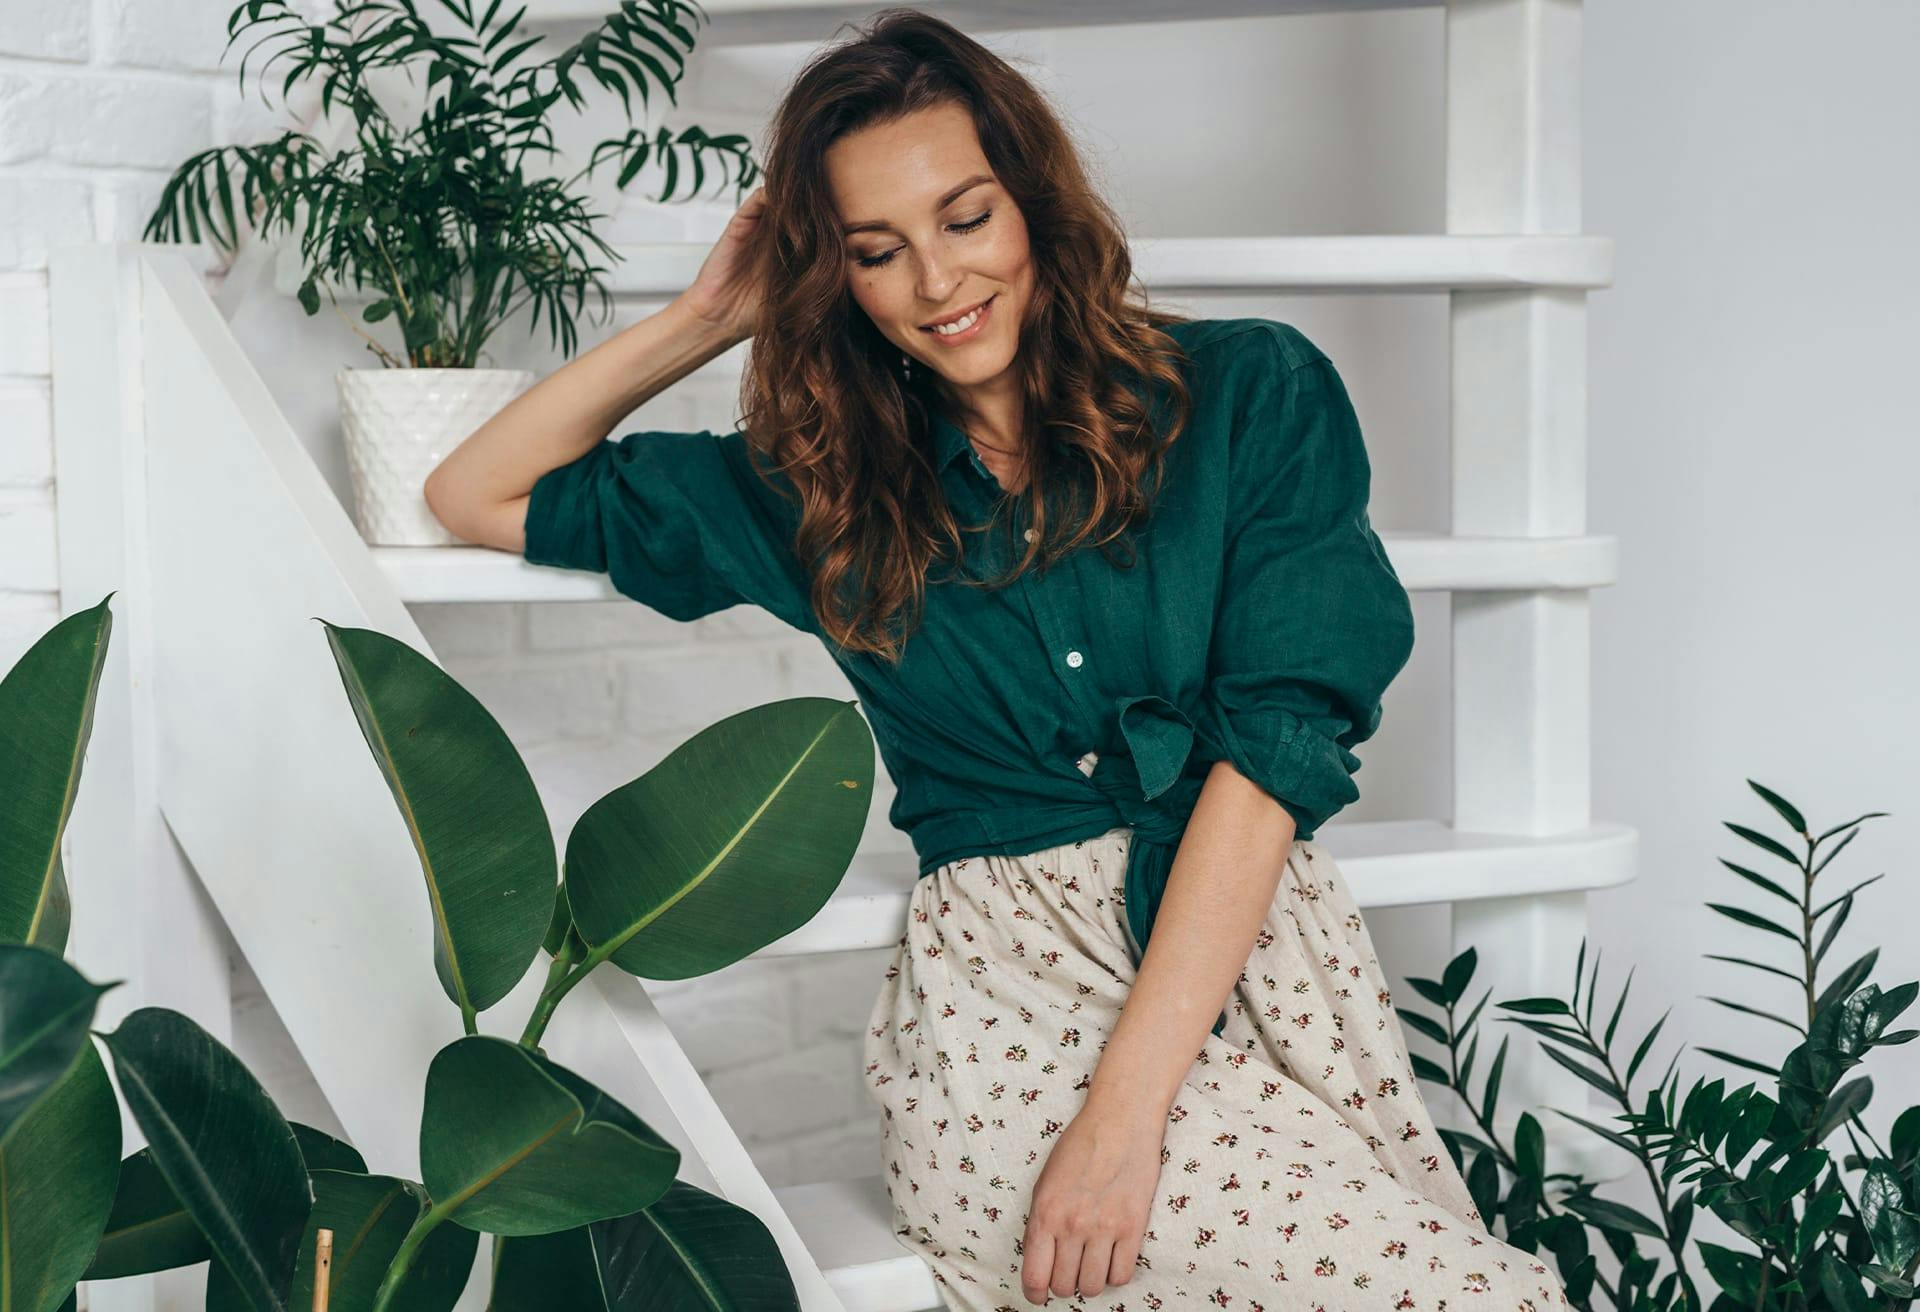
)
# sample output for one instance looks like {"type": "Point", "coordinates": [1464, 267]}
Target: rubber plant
{"type": "Point", "coordinates": [737, 838]}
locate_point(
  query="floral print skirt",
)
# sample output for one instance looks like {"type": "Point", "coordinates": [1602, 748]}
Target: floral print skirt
{"type": "Point", "coordinates": [1300, 1168]}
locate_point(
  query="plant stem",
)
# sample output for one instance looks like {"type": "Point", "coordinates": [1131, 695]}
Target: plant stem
{"type": "Point", "coordinates": [1675, 1247]}
{"type": "Point", "coordinates": [561, 977]}
{"type": "Point", "coordinates": [403, 1258]}
{"type": "Point", "coordinates": [1806, 931]}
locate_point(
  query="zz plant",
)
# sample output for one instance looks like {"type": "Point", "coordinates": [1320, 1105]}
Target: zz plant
{"type": "Point", "coordinates": [737, 838]}
{"type": "Point", "coordinates": [1827, 1217]}
{"type": "Point", "coordinates": [441, 220]}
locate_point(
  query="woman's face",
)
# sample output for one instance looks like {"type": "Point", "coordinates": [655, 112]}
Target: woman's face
{"type": "Point", "coordinates": [930, 235]}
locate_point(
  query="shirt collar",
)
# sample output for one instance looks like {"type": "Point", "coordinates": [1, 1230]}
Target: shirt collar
{"type": "Point", "coordinates": [949, 441]}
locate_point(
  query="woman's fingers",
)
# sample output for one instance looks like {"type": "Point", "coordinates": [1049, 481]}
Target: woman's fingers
{"type": "Point", "coordinates": [1036, 1272]}
{"type": "Point", "coordinates": [1094, 1263]}
{"type": "Point", "coordinates": [1066, 1264]}
{"type": "Point", "coordinates": [1125, 1254]}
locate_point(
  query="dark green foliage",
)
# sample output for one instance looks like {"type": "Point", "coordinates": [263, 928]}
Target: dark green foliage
{"type": "Point", "coordinates": [442, 220]}
{"type": "Point", "coordinates": [1830, 1218]}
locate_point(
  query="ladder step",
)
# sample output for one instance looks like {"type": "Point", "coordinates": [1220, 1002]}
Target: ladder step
{"type": "Point", "coordinates": [1425, 562]}
{"type": "Point", "coordinates": [1386, 862]}
{"type": "Point", "coordinates": [848, 1227]}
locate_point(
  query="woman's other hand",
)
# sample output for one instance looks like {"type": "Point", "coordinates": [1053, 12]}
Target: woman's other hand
{"type": "Point", "coordinates": [1090, 1204]}
{"type": "Point", "coordinates": [725, 292]}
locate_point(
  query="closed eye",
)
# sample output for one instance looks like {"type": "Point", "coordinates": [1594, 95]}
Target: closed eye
{"type": "Point", "coordinates": [882, 260]}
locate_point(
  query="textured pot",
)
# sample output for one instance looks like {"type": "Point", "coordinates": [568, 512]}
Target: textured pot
{"type": "Point", "coordinates": [399, 424]}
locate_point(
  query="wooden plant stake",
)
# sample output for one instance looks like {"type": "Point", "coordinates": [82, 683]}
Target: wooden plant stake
{"type": "Point", "coordinates": [322, 1267]}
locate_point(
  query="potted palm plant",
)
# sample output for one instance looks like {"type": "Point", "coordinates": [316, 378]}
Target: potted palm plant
{"type": "Point", "coordinates": [440, 226]}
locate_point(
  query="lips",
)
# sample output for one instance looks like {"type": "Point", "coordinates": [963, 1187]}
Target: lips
{"type": "Point", "coordinates": [955, 317]}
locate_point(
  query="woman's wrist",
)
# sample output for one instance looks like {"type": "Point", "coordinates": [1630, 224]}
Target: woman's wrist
{"type": "Point", "coordinates": [1125, 1108]}
{"type": "Point", "coordinates": [708, 332]}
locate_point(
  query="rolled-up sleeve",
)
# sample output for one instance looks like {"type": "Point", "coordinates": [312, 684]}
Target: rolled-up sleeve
{"type": "Point", "coordinates": [680, 522]}
{"type": "Point", "coordinates": [1313, 623]}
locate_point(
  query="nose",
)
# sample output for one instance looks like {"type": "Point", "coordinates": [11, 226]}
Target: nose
{"type": "Point", "coordinates": [936, 285]}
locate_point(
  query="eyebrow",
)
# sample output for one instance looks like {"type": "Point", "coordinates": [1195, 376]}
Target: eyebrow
{"type": "Point", "coordinates": [873, 225]}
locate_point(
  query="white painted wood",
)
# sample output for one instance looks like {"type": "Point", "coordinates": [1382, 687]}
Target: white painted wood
{"type": "Point", "coordinates": [758, 22]}
{"type": "Point", "coordinates": [848, 1226]}
{"type": "Point", "coordinates": [1426, 562]}
{"type": "Point", "coordinates": [1522, 695]}
{"type": "Point", "coordinates": [138, 914]}
{"type": "Point", "coordinates": [1388, 863]}
{"type": "Point", "coordinates": [1170, 265]}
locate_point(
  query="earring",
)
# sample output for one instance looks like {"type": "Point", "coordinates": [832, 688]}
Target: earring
{"type": "Point", "coordinates": [906, 366]}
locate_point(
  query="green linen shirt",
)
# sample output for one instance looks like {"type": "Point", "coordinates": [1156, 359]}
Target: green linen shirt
{"type": "Point", "coordinates": [1260, 621]}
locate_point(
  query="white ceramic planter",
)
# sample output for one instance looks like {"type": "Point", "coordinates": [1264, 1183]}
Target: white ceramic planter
{"type": "Point", "coordinates": [399, 424]}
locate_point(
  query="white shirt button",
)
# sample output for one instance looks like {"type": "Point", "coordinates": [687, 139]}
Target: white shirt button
{"type": "Point", "coordinates": [1075, 659]}
{"type": "Point", "coordinates": [1028, 535]}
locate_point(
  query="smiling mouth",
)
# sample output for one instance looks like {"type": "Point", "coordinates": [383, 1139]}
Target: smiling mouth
{"type": "Point", "coordinates": [955, 318]}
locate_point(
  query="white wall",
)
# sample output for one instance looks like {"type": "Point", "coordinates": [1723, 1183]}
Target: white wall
{"type": "Point", "coordinates": [1754, 447]}
{"type": "Point", "coordinates": [1750, 444]}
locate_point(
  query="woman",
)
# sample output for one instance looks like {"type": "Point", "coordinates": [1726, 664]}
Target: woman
{"type": "Point", "coordinates": [1104, 581]}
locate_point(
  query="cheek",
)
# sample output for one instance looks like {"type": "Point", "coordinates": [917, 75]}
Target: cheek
{"type": "Point", "coordinates": [875, 290]}
{"type": "Point", "coordinates": [1011, 254]}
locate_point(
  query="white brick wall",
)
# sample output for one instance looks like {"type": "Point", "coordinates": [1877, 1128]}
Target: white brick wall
{"type": "Point", "coordinates": [99, 101]}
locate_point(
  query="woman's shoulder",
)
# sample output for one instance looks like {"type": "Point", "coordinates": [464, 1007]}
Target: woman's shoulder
{"type": "Point", "coordinates": [1210, 341]}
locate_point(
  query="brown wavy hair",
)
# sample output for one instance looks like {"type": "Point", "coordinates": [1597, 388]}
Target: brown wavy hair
{"type": "Point", "coordinates": [823, 397]}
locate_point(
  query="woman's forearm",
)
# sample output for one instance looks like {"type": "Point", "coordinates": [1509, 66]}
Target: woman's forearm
{"type": "Point", "coordinates": [560, 417]}
{"type": "Point", "coordinates": [1218, 893]}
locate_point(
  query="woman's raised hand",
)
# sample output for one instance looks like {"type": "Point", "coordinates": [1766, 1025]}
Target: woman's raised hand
{"type": "Point", "coordinates": [725, 292]}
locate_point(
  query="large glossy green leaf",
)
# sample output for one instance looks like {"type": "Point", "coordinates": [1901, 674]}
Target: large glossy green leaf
{"type": "Point", "coordinates": [151, 1230]}
{"type": "Point", "coordinates": [692, 1251]}
{"type": "Point", "coordinates": [57, 1174]}
{"type": "Point", "coordinates": [537, 1273]}
{"type": "Point", "coordinates": [222, 1145]}
{"type": "Point", "coordinates": [482, 835]}
{"type": "Point", "coordinates": [46, 1007]}
{"type": "Point", "coordinates": [689, 1252]}
{"type": "Point", "coordinates": [512, 1143]}
{"type": "Point", "coordinates": [736, 839]}
{"type": "Point", "coordinates": [46, 717]}
{"type": "Point", "coordinates": [322, 1152]}
{"type": "Point", "coordinates": [369, 1216]}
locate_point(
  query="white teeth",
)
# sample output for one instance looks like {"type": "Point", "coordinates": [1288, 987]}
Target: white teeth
{"type": "Point", "coordinates": [959, 325]}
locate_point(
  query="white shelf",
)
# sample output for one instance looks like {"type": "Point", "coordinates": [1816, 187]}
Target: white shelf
{"type": "Point", "coordinates": [1420, 263]}
{"type": "Point", "coordinates": [848, 1227]}
{"type": "Point", "coordinates": [1426, 562]}
{"type": "Point", "coordinates": [1386, 863]}
{"type": "Point", "coordinates": [760, 22]}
